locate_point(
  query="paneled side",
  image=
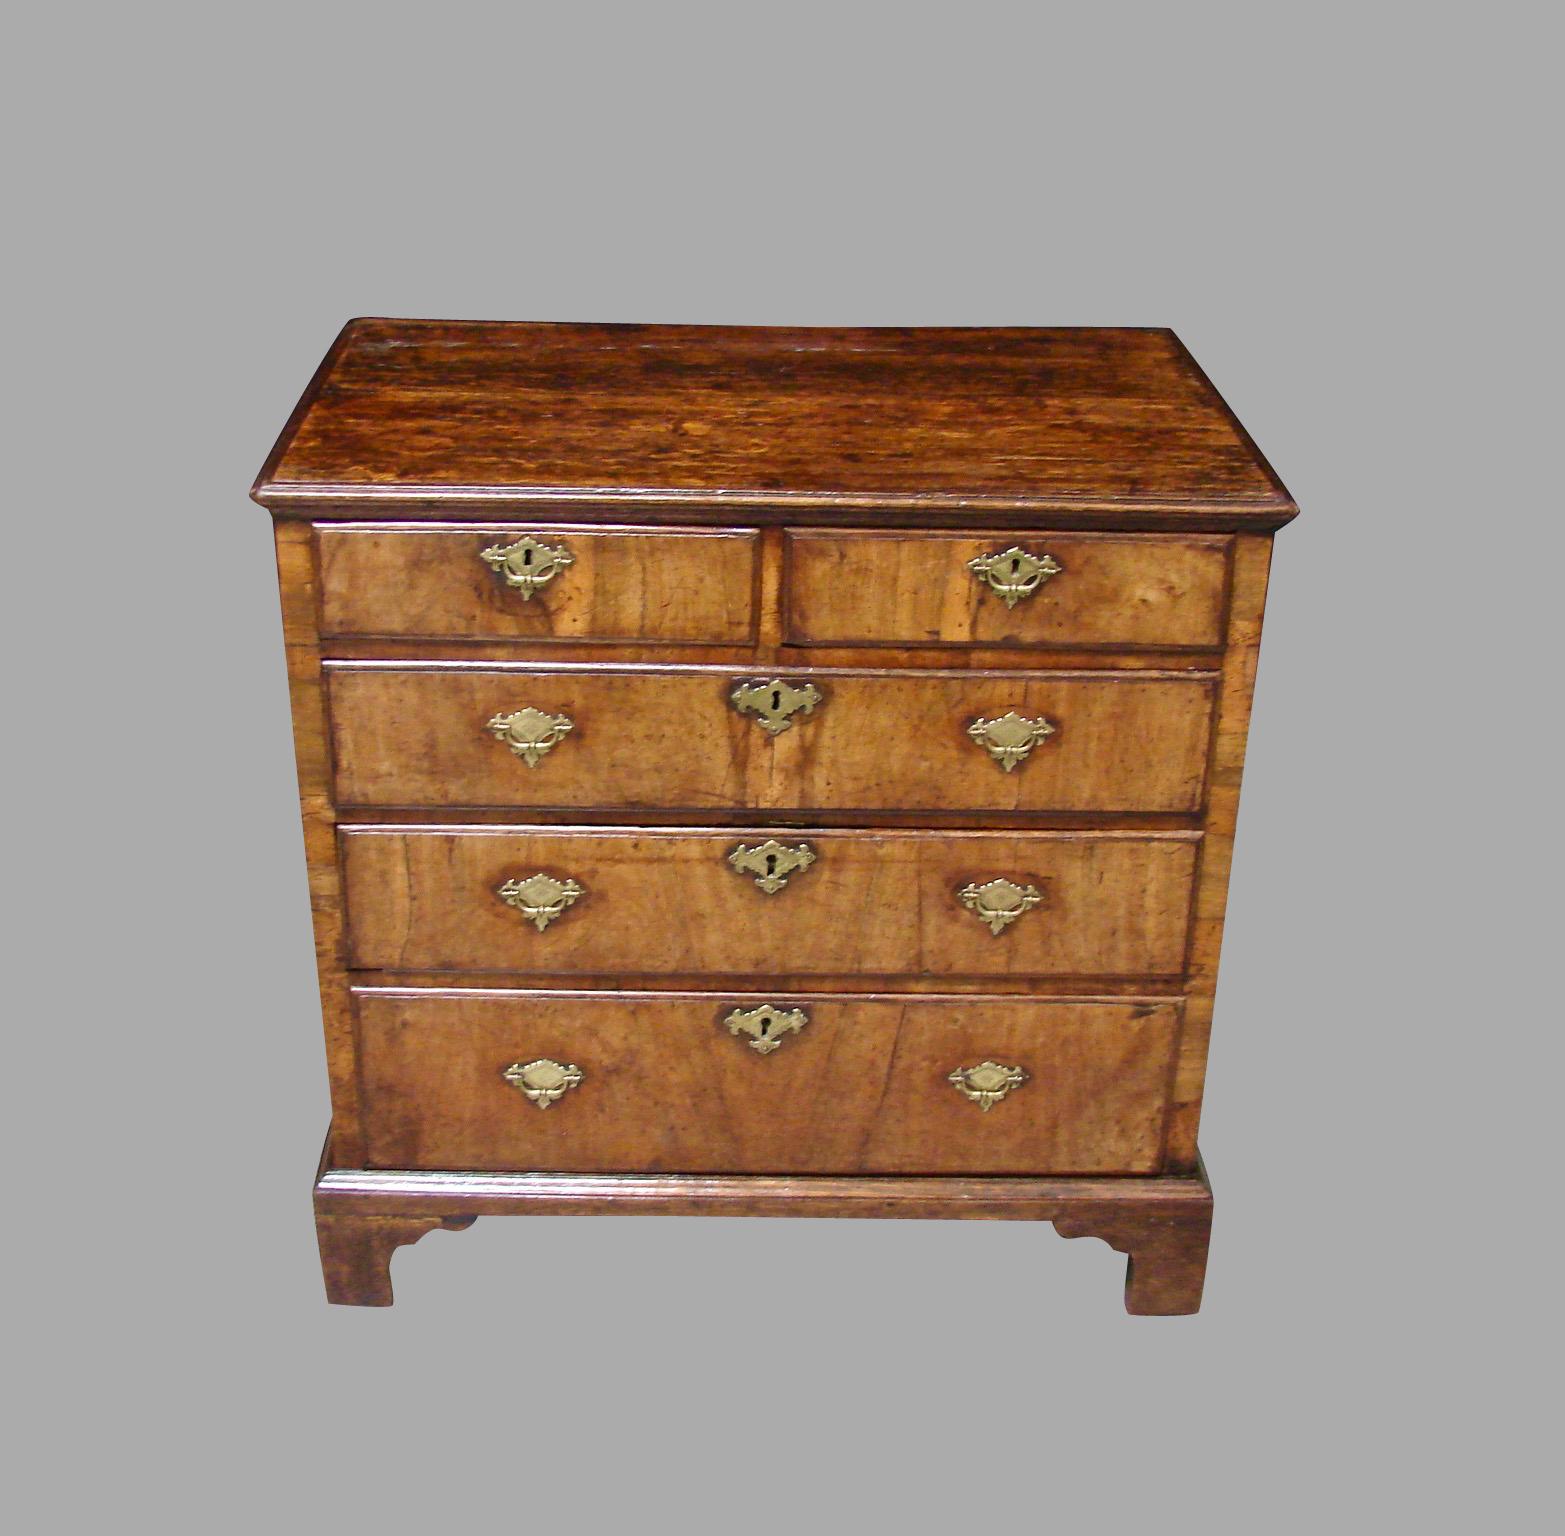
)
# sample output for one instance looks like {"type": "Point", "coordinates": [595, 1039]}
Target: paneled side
{"type": "Point", "coordinates": [312, 750]}
{"type": "Point", "coordinates": [1252, 560]}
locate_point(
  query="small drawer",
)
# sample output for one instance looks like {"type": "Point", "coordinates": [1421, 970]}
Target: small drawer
{"type": "Point", "coordinates": [687, 738]}
{"type": "Point", "coordinates": [767, 901]}
{"type": "Point", "coordinates": [762, 1083]}
{"type": "Point", "coordinates": [514, 581]}
{"type": "Point", "coordinates": [1006, 589]}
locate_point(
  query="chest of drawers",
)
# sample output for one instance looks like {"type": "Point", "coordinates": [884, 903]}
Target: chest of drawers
{"type": "Point", "coordinates": [768, 772]}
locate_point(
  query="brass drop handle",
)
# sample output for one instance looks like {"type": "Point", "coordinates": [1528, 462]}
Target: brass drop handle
{"type": "Point", "coordinates": [987, 1083]}
{"type": "Point", "coordinates": [543, 1081]}
{"type": "Point", "coordinates": [1008, 738]}
{"type": "Point", "coordinates": [528, 564]}
{"type": "Point", "coordinates": [1014, 573]}
{"type": "Point", "coordinates": [530, 733]}
{"type": "Point", "coordinates": [998, 903]}
{"type": "Point", "coordinates": [540, 898]}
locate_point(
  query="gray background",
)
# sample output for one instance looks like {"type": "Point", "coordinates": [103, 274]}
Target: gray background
{"type": "Point", "coordinates": [1341, 210]}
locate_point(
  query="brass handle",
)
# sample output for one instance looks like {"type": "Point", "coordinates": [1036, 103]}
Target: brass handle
{"type": "Point", "coordinates": [987, 1083]}
{"type": "Point", "coordinates": [771, 863]}
{"type": "Point", "coordinates": [540, 898]}
{"type": "Point", "coordinates": [1014, 573]}
{"type": "Point", "coordinates": [773, 702]}
{"type": "Point", "coordinates": [1009, 737]}
{"type": "Point", "coordinates": [530, 733]}
{"type": "Point", "coordinates": [528, 564]}
{"type": "Point", "coordinates": [543, 1081]}
{"type": "Point", "coordinates": [998, 903]}
{"type": "Point", "coordinates": [766, 1026]}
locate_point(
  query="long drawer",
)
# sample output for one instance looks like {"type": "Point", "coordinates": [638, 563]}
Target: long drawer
{"type": "Point", "coordinates": [762, 1083]}
{"type": "Point", "coordinates": [767, 901]}
{"type": "Point", "coordinates": [469, 735]}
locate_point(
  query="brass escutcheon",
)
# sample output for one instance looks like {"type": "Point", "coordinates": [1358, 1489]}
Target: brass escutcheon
{"type": "Point", "coordinates": [528, 564]}
{"type": "Point", "coordinates": [543, 1081]}
{"type": "Point", "coordinates": [774, 703]}
{"type": "Point", "coordinates": [999, 902]}
{"type": "Point", "coordinates": [1009, 737]}
{"type": "Point", "coordinates": [766, 1026]}
{"type": "Point", "coordinates": [1014, 573]}
{"type": "Point", "coordinates": [771, 863]}
{"type": "Point", "coordinates": [539, 898]}
{"type": "Point", "coordinates": [987, 1083]}
{"type": "Point", "coordinates": [530, 733]}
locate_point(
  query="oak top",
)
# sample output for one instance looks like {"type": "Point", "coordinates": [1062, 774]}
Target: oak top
{"type": "Point", "coordinates": [1090, 427]}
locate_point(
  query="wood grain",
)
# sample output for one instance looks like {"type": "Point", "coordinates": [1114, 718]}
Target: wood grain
{"type": "Point", "coordinates": [690, 585]}
{"type": "Point", "coordinates": [1100, 424]}
{"type": "Point", "coordinates": [312, 751]}
{"type": "Point", "coordinates": [863, 1087]}
{"type": "Point", "coordinates": [669, 737]}
{"type": "Point", "coordinates": [1252, 562]}
{"type": "Point", "coordinates": [1102, 988]}
{"type": "Point", "coordinates": [905, 588]}
{"type": "Point", "coordinates": [882, 902]}
{"type": "Point", "coordinates": [1164, 1224]}
{"type": "Point", "coordinates": [356, 1252]}
{"type": "Point", "coordinates": [742, 504]}
{"type": "Point", "coordinates": [770, 657]}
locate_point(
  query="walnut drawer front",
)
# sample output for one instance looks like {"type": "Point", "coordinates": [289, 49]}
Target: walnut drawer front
{"type": "Point", "coordinates": [537, 582]}
{"type": "Point", "coordinates": [840, 1084]}
{"type": "Point", "coordinates": [1005, 589]}
{"type": "Point", "coordinates": [767, 901]}
{"type": "Point", "coordinates": [621, 737]}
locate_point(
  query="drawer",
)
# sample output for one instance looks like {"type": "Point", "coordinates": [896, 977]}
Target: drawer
{"type": "Point", "coordinates": [904, 588]}
{"type": "Point", "coordinates": [671, 737]}
{"type": "Point", "coordinates": [513, 581]}
{"type": "Point", "coordinates": [664, 1083]}
{"type": "Point", "coordinates": [767, 902]}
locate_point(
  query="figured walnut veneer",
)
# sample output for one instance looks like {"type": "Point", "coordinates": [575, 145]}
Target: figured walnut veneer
{"type": "Point", "coordinates": [667, 1089]}
{"type": "Point", "coordinates": [882, 902]}
{"type": "Point", "coordinates": [954, 631]}
{"type": "Point", "coordinates": [694, 586]}
{"type": "Point", "coordinates": [1094, 426]}
{"type": "Point", "coordinates": [669, 737]}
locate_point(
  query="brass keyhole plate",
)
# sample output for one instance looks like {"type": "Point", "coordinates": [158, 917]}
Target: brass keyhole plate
{"type": "Point", "coordinates": [1014, 573]}
{"type": "Point", "coordinates": [528, 564]}
{"type": "Point", "coordinates": [766, 1027]}
{"type": "Point", "coordinates": [771, 862]}
{"type": "Point", "coordinates": [774, 702]}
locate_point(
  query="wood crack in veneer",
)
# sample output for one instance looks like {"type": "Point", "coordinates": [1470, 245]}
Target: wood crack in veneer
{"type": "Point", "coordinates": [804, 763]}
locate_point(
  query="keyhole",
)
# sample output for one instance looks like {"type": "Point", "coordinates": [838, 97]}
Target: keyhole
{"type": "Point", "coordinates": [771, 864]}
{"type": "Point", "coordinates": [776, 700]}
{"type": "Point", "coordinates": [766, 1024]}
{"type": "Point", "coordinates": [527, 557]}
{"type": "Point", "coordinates": [1016, 567]}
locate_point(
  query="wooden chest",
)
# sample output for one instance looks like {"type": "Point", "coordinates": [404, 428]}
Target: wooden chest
{"type": "Point", "coordinates": [768, 772]}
